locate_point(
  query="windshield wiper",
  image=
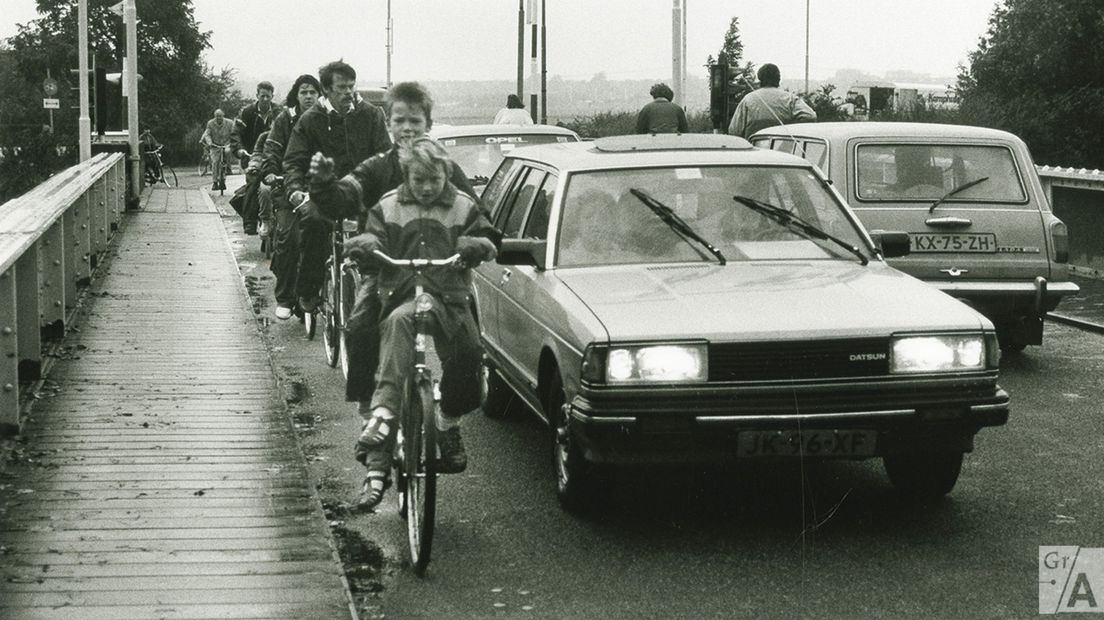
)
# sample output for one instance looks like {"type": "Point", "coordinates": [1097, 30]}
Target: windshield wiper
{"type": "Point", "coordinates": [676, 223]}
{"type": "Point", "coordinates": [954, 191]}
{"type": "Point", "coordinates": [796, 224]}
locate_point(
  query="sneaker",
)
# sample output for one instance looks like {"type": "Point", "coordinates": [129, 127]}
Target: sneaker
{"type": "Point", "coordinates": [454, 459]}
{"type": "Point", "coordinates": [372, 491]}
{"type": "Point", "coordinates": [283, 312]}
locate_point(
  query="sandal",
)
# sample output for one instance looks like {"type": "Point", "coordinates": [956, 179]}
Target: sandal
{"type": "Point", "coordinates": [375, 485]}
{"type": "Point", "coordinates": [376, 431]}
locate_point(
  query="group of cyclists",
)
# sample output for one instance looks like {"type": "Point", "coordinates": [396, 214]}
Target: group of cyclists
{"type": "Point", "coordinates": [326, 155]}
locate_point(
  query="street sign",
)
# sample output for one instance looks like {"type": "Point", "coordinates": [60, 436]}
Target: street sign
{"type": "Point", "coordinates": [50, 87]}
{"type": "Point", "coordinates": [51, 104]}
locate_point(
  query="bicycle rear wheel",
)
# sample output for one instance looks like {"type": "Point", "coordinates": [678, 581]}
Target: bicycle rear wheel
{"type": "Point", "coordinates": [418, 464]}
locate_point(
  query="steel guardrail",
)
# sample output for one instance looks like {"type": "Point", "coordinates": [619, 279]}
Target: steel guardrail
{"type": "Point", "coordinates": [51, 238]}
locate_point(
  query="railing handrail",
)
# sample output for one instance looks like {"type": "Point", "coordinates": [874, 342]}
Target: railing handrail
{"type": "Point", "coordinates": [1080, 174]}
{"type": "Point", "coordinates": [23, 220]}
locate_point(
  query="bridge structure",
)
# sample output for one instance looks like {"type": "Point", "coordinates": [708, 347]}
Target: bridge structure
{"type": "Point", "coordinates": [157, 473]}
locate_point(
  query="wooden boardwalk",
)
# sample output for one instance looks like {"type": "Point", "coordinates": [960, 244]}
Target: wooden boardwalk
{"type": "Point", "coordinates": [163, 478]}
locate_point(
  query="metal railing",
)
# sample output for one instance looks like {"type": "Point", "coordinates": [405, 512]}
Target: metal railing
{"type": "Point", "coordinates": [51, 238]}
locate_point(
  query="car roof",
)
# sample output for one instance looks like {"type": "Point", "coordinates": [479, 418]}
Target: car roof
{"type": "Point", "coordinates": [488, 129]}
{"type": "Point", "coordinates": [653, 150]}
{"type": "Point", "coordinates": [875, 129]}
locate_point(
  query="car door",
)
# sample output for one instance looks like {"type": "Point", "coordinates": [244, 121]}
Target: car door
{"type": "Point", "coordinates": [485, 278]}
{"type": "Point", "coordinates": [524, 299]}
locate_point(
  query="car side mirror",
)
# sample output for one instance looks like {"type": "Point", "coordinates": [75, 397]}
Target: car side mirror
{"type": "Point", "coordinates": [891, 243]}
{"type": "Point", "coordinates": [523, 252]}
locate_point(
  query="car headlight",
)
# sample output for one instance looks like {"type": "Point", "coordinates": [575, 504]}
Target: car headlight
{"type": "Point", "coordinates": [659, 363]}
{"type": "Point", "coordinates": [938, 353]}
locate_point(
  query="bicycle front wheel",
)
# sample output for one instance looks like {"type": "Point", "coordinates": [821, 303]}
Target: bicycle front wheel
{"type": "Point", "coordinates": [168, 175]}
{"type": "Point", "coordinates": [419, 471]}
{"type": "Point", "coordinates": [330, 308]}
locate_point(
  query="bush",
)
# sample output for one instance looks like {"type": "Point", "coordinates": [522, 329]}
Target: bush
{"type": "Point", "coordinates": [624, 123]}
{"type": "Point", "coordinates": [31, 158]}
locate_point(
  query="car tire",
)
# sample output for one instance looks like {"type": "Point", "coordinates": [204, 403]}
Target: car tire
{"type": "Point", "coordinates": [925, 476]}
{"type": "Point", "coordinates": [576, 478]}
{"type": "Point", "coordinates": [496, 399]}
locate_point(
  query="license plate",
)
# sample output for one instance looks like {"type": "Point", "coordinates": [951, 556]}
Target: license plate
{"type": "Point", "coordinates": [953, 242]}
{"type": "Point", "coordinates": [808, 443]}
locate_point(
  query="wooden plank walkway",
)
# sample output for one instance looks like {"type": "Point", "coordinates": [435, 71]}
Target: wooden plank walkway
{"type": "Point", "coordinates": [163, 479]}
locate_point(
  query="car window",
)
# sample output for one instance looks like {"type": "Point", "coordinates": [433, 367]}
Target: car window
{"type": "Point", "coordinates": [480, 155]}
{"type": "Point", "coordinates": [926, 172]}
{"type": "Point", "coordinates": [783, 145]}
{"type": "Point", "coordinates": [763, 143]}
{"type": "Point", "coordinates": [498, 185]}
{"type": "Point", "coordinates": [816, 153]}
{"type": "Point", "coordinates": [603, 223]}
{"type": "Point", "coordinates": [536, 227]}
{"type": "Point", "coordinates": [510, 222]}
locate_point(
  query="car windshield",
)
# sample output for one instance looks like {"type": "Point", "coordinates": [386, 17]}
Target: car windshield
{"type": "Point", "coordinates": [927, 172]}
{"type": "Point", "coordinates": [479, 156]}
{"type": "Point", "coordinates": [603, 222]}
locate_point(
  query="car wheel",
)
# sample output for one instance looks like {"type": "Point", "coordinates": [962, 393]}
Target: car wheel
{"type": "Point", "coordinates": [576, 479]}
{"type": "Point", "coordinates": [924, 476]}
{"type": "Point", "coordinates": [495, 396]}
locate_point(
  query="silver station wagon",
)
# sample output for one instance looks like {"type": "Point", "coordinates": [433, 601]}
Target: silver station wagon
{"type": "Point", "coordinates": [689, 299]}
{"type": "Point", "coordinates": [478, 149]}
{"type": "Point", "coordinates": [979, 223]}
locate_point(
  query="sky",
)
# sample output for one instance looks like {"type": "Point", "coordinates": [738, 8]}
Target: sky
{"type": "Point", "coordinates": [624, 39]}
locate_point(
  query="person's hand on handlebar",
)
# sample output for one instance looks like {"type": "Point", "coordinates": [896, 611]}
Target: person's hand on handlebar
{"type": "Point", "coordinates": [360, 249]}
{"type": "Point", "coordinates": [474, 250]}
{"type": "Point", "coordinates": [321, 168]}
{"type": "Point", "coordinates": [298, 198]}
{"type": "Point", "coordinates": [270, 179]}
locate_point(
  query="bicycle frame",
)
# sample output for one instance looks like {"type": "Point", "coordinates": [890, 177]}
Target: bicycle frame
{"type": "Point", "coordinates": [417, 446]}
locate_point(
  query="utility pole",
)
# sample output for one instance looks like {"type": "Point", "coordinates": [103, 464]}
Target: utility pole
{"type": "Point", "coordinates": [84, 122]}
{"type": "Point", "coordinates": [130, 75]}
{"type": "Point", "coordinates": [521, 50]}
{"type": "Point", "coordinates": [533, 40]}
{"type": "Point", "coordinates": [806, 46]}
{"type": "Point", "coordinates": [390, 42]}
{"type": "Point", "coordinates": [676, 49]}
{"type": "Point", "coordinates": [544, 68]}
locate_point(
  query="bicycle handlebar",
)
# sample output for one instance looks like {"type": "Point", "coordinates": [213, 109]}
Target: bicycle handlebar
{"type": "Point", "coordinates": [417, 262]}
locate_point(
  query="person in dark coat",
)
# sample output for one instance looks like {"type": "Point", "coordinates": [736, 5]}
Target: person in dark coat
{"type": "Point", "coordinates": [660, 115]}
{"type": "Point", "coordinates": [340, 126]}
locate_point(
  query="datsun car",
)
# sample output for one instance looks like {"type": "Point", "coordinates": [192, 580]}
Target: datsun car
{"type": "Point", "coordinates": [980, 226]}
{"type": "Point", "coordinates": [687, 299]}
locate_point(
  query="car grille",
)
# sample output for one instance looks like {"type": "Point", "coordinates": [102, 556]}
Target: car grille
{"type": "Point", "coordinates": [825, 359]}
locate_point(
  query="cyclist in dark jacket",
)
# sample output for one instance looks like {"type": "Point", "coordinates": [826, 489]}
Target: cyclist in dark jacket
{"type": "Point", "coordinates": [303, 95]}
{"type": "Point", "coordinates": [341, 127]}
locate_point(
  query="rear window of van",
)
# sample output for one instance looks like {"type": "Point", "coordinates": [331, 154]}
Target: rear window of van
{"type": "Point", "coordinates": [928, 172]}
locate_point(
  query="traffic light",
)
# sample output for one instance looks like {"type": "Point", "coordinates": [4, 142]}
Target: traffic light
{"type": "Point", "coordinates": [99, 96]}
{"type": "Point", "coordinates": [719, 93]}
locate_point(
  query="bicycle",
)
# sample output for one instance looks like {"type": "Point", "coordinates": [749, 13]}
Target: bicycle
{"type": "Point", "coordinates": [338, 293]}
{"type": "Point", "coordinates": [415, 461]}
{"type": "Point", "coordinates": [156, 173]}
{"type": "Point", "coordinates": [223, 169]}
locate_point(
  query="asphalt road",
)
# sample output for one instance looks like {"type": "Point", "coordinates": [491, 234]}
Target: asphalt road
{"type": "Point", "coordinates": [814, 540]}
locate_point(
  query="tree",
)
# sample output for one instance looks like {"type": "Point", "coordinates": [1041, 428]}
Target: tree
{"type": "Point", "coordinates": [177, 90]}
{"type": "Point", "coordinates": [1039, 73]}
{"type": "Point", "coordinates": [742, 78]}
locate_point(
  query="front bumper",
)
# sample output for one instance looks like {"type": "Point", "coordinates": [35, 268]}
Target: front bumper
{"type": "Point", "coordinates": [702, 426]}
{"type": "Point", "coordinates": [1038, 296]}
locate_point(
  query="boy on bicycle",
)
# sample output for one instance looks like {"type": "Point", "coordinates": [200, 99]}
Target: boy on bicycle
{"type": "Point", "coordinates": [426, 217]}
